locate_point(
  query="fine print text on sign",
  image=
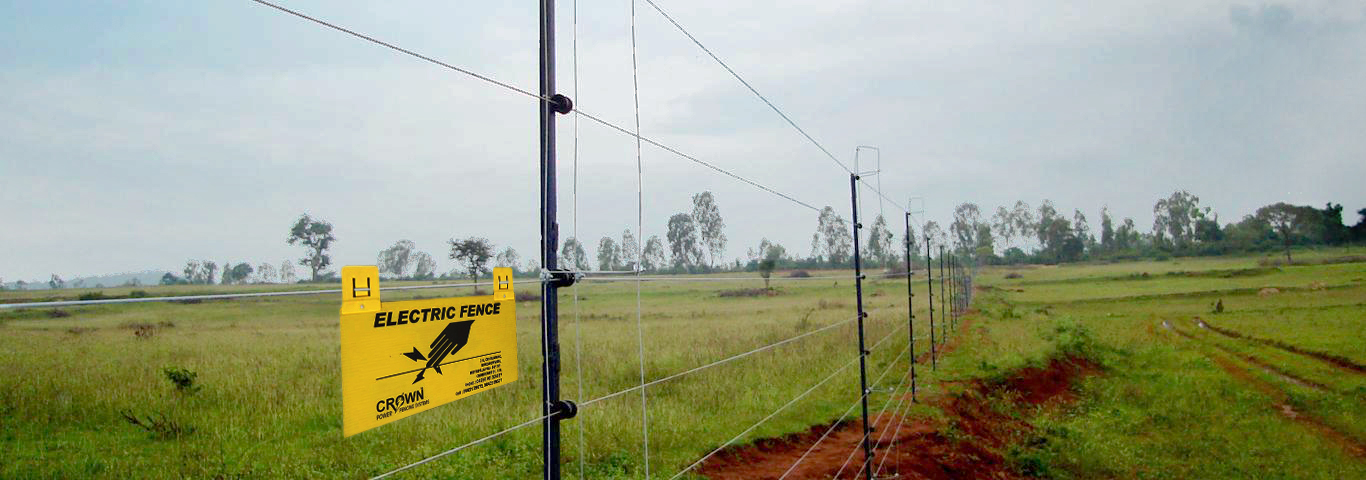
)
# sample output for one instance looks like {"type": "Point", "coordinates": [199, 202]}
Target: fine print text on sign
{"type": "Point", "coordinates": [401, 358]}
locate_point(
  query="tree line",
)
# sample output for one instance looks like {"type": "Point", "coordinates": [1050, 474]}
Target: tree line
{"type": "Point", "coordinates": [1181, 227]}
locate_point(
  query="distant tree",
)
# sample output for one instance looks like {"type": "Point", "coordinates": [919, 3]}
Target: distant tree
{"type": "Point", "coordinates": [56, 282]}
{"type": "Point", "coordinates": [609, 255]}
{"type": "Point", "coordinates": [630, 249]}
{"type": "Point", "coordinates": [2, 284]}
{"type": "Point", "coordinates": [20, 285]}
{"type": "Point", "coordinates": [832, 241]}
{"type": "Point", "coordinates": [227, 274]}
{"type": "Point", "coordinates": [169, 278]}
{"type": "Point", "coordinates": [1047, 214]}
{"type": "Point", "coordinates": [208, 271]}
{"type": "Point", "coordinates": [266, 272]}
{"type": "Point", "coordinates": [684, 243]}
{"type": "Point", "coordinates": [473, 255]}
{"type": "Point", "coordinates": [78, 283]}
{"type": "Point", "coordinates": [1359, 230]}
{"type": "Point", "coordinates": [1022, 219]}
{"type": "Point", "coordinates": [1126, 236]}
{"type": "Point", "coordinates": [572, 256]}
{"type": "Point", "coordinates": [1207, 231]}
{"type": "Point", "coordinates": [966, 217]}
{"type": "Point", "coordinates": [986, 244]}
{"type": "Point", "coordinates": [1003, 226]}
{"type": "Point", "coordinates": [396, 259]}
{"type": "Point", "coordinates": [880, 243]}
{"type": "Point", "coordinates": [935, 235]}
{"type": "Point", "coordinates": [533, 265]}
{"type": "Point", "coordinates": [1107, 230]}
{"type": "Point", "coordinates": [316, 236]}
{"type": "Point", "coordinates": [1288, 221]}
{"type": "Point", "coordinates": [507, 258]}
{"type": "Point", "coordinates": [768, 260]}
{"type": "Point", "coordinates": [1175, 217]}
{"type": "Point", "coordinates": [1080, 227]}
{"type": "Point", "coordinates": [424, 267]}
{"type": "Point", "coordinates": [240, 272]}
{"type": "Point", "coordinates": [191, 271]}
{"type": "Point", "coordinates": [1332, 230]}
{"type": "Point", "coordinates": [654, 256]}
{"type": "Point", "coordinates": [710, 227]}
{"type": "Point", "coordinates": [287, 272]}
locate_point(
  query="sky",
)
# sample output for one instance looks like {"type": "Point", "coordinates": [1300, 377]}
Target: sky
{"type": "Point", "coordinates": [138, 135]}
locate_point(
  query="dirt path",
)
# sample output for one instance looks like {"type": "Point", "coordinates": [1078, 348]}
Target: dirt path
{"type": "Point", "coordinates": [1342, 363]}
{"type": "Point", "coordinates": [1353, 446]}
{"type": "Point", "coordinates": [964, 445]}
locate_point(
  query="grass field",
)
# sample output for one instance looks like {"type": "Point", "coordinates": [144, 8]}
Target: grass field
{"type": "Point", "coordinates": [1175, 399]}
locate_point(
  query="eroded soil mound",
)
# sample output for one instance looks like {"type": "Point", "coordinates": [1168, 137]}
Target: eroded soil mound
{"type": "Point", "coordinates": [980, 423]}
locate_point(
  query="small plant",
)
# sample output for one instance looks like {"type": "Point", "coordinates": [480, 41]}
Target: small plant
{"type": "Point", "coordinates": [158, 425]}
{"type": "Point", "coordinates": [1219, 306]}
{"type": "Point", "coordinates": [1013, 275]}
{"type": "Point", "coordinates": [58, 313]}
{"type": "Point", "coordinates": [137, 294]}
{"type": "Point", "coordinates": [96, 295]}
{"type": "Point", "coordinates": [182, 378]}
{"type": "Point", "coordinates": [799, 274]}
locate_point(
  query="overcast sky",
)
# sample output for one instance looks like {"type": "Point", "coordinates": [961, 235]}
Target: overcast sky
{"type": "Point", "coordinates": [137, 135]}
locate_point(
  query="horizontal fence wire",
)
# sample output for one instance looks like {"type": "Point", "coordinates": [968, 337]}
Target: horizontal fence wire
{"type": "Point", "coordinates": [285, 293]}
{"type": "Point", "coordinates": [718, 362]}
{"type": "Point", "coordinates": [847, 411]}
{"type": "Point", "coordinates": [224, 296]}
{"type": "Point", "coordinates": [751, 428]}
{"type": "Point", "coordinates": [462, 447]}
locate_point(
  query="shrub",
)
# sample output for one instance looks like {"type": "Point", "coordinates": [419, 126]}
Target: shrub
{"type": "Point", "coordinates": [799, 274]}
{"type": "Point", "coordinates": [137, 294]}
{"type": "Point", "coordinates": [96, 295]}
{"type": "Point", "coordinates": [182, 378]}
{"type": "Point", "coordinates": [1013, 275]}
{"type": "Point", "coordinates": [58, 313]}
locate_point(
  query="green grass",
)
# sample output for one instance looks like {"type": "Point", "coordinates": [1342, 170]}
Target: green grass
{"type": "Point", "coordinates": [269, 400]}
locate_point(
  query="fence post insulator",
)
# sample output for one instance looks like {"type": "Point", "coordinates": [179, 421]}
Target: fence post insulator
{"type": "Point", "coordinates": [561, 104]}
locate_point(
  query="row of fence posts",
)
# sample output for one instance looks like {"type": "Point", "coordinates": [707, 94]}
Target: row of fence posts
{"type": "Point", "coordinates": [556, 409]}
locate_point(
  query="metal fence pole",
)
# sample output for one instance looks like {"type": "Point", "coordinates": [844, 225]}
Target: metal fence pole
{"type": "Point", "coordinates": [553, 407]}
{"type": "Point", "coordinates": [929, 281]}
{"type": "Point", "coordinates": [943, 299]}
{"type": "Point", "coordinates": [910, 303]}
{"type": "Point", "coordinates": [862, 349]}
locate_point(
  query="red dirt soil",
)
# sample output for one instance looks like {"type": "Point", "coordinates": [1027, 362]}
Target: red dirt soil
{"type": "Point", "coordinates": [921, 448]}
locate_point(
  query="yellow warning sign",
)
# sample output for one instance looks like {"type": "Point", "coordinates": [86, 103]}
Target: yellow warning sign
{"type": "Point", "coordinates": [401, 358]}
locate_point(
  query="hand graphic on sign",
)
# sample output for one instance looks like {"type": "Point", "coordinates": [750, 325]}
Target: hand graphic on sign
{"type": "Point", "coordinates": [449, 341]}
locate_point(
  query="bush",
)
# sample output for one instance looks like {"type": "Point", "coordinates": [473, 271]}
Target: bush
{"type": "Point", "coordinates": [137, 294]}
{"type": "Point", "coordinates": [1013, 275]}
{"type": "Point", "coordinates": [799, 274]}
{"type": "Point", "coordinates": [182, 378]}
{"type": "Point", "coordinates": [96, 295]}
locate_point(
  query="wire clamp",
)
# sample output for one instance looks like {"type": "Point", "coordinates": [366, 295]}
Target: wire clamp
{"type": "Point", "coordinates": [563, 410]}
{"type": "Point", "coordinates": [561, 104]}
{"type": "Point", "coordinates": [562, 278]}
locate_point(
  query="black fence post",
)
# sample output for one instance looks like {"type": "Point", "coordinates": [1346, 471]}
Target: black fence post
{"type": "Point", "coordinates": [553, 407]}
{"type": "Point", "coordinates": [953, 294]}
{"type": "Point", "coordinates": [910, 303]}
{"type": "Point", "coordinates": [943, 299]}
{"type": "Point", "coordinates": [929, 281]}
{"type": "Point", "coordinates": [862, 348]}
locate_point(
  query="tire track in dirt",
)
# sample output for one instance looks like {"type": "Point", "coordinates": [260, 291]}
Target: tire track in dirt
{"type": "Point", "coordinates": [1274, 370]}
{"type": "Point", "coordinates": [1350, 444]}
{"type": "Point", "coordinates": [1340, 362]}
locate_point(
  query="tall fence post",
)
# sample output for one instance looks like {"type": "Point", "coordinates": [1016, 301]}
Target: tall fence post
{"type": "Point", "coordinates": [943, 299]}
{"type": "Point", "coordinates": [953, 293]}
{"type": "Point", "coordinates": [929, 281]}
{"type": "Point", "coordinates": [553, 408]}
{"type": "Point", "coordinates": [910, 303]}
{"type": "Point", "coordinates": [862, 348]}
